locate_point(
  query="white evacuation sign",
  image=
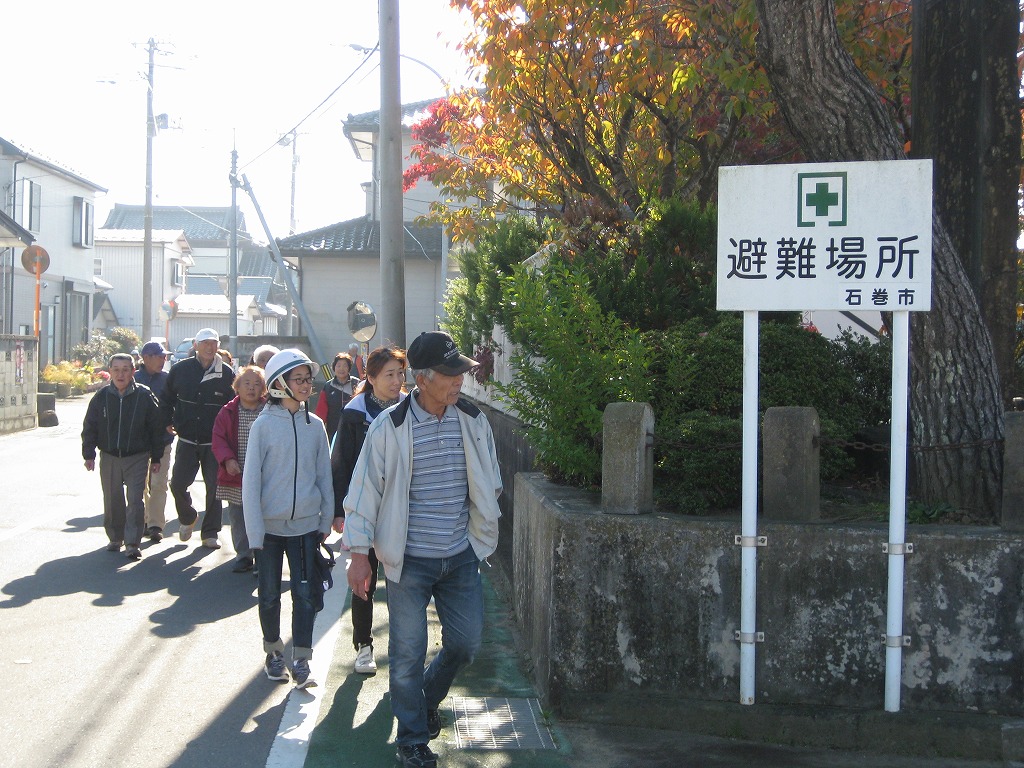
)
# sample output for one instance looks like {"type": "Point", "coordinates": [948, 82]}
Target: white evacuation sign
{"type": "Point", "coordinates": [845, 236]}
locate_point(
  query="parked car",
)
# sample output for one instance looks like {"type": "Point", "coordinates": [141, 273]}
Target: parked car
{"type": "Point", "coordinates": [183, 350]}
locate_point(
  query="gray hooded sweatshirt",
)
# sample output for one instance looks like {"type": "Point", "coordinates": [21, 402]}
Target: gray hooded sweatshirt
{"type": "Point", "coordinates": [287, 489]}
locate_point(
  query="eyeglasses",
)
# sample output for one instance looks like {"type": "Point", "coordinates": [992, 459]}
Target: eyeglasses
{"type": "Point", "coordinates": [301, 380]}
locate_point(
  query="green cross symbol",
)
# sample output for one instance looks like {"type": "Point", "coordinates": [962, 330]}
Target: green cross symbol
{"type": "Point", "coordinates": [821, 200]}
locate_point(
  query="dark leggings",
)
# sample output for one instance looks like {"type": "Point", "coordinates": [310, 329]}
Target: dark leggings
{"type": "Point", "coordinates": [362, 610]}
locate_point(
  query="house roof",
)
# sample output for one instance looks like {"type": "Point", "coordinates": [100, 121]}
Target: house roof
{"type": "Point", "coordinates": [209, 304]}
{"type": "Point", "coordinates": [200, 223]}
{"type": "Point", "coordinates": [12, 234]}
{"type": "Point", "coordinates": [362, 129]}
{"type": "Point", "coordinates": [9, 148]}
{"type": "Point", "coordinates": [257, 261]}
{"type": "Point", "coordinates": [370, 121]}
{"type": "Point", "coordinates": [360, 238]}
{"type": "Point", "coordinates": [208, 285]}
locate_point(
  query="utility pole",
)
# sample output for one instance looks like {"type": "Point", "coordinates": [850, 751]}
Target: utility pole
{"type": "Point", "coordinates": [147, 238]}
{"type": "Point", "coordinates": [233, 260]}
{"type": "Point", "coordinates": [392, 233]}
{"type": "Point", "coordinates": [295, 165]}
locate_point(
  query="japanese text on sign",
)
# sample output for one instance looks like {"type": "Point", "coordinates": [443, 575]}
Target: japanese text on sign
{"type": "Point", "coordinates": [795, 238]}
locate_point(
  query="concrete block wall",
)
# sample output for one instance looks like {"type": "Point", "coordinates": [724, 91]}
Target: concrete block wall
{"type": "Point", "coordinates": [18, 379]}
{"type": "Point", "coordinates": [650, 603]}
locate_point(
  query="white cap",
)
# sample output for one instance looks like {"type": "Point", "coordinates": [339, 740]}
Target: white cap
{"type": "Point", "coordinates": [207, 334]}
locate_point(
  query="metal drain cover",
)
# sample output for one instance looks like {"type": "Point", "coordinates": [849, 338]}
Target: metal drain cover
{"type": "Point", "coordinates": [499, 723]}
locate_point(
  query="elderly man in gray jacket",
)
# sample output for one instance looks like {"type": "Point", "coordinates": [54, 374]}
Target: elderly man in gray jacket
{"type": "Point", "coordinates": [424, 494]}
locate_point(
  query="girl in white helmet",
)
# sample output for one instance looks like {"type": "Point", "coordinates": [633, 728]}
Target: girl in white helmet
{"type": "Point", "coordinates": [288, 504]}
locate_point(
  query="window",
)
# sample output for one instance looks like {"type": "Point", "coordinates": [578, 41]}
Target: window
{"type": "Point", "coordinates": [30, 205]}
{"type": "Point", "coordinates": [97, 266]}
{"type": "Point", "coordinates": [178, 278]}
{"type": "Point", "coordinates": [82, 223]}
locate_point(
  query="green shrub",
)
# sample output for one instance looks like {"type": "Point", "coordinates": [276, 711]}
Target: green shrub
{"type": "Point", "coordinates": [698, 463]}
{"type": "Point", "coordinates": [125, 338]}
{"type": "Point", "coordinates": [96, 352]}
{"type": "Point", "coordinates": [697, 400]}
{"type": "Point", "coordinates": [475, 303]}
{"type": "Point", "coordinates": [572, 361]}
{"type": "Point", "coordinates": [652, 273]}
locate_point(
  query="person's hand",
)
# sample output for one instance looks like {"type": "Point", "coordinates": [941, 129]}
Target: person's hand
{"type": "Point", "coordinates": [170, 429]}
{"type": "Point", "coordinates": [154, 467]}
{"type": "Point", "coordinates": [338, 525]}
{"type": "Point", "coordinates": [90, 464]}
{"type": "Point", "coordinates": [359, 575]}
{"type": "Point", "coordinates": [232, 467]}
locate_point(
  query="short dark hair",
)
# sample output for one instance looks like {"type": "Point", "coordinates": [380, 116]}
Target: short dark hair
{"type": "Point", "coordinates": [121, 356]}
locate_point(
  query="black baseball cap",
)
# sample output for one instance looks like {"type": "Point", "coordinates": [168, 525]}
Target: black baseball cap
{"type": "Point", "coordinates": [437, 350]}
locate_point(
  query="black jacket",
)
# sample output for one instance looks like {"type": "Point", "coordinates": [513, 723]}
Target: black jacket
{"type": "Point", "coordinates": [345, 447]}
{"type": "Point", "coordinates": [191, 398]}
{"type": "Point", "coordinates": [123, 426]}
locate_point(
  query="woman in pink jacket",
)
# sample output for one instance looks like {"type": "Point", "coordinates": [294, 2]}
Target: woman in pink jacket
{"type": "Point", "coordinates": [230, 437]}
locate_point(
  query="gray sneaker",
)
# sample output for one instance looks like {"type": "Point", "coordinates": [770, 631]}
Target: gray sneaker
{"type": "Point", "coordinates": [300, 674]}
{"type": "Point", "coordinates": [275, 667]}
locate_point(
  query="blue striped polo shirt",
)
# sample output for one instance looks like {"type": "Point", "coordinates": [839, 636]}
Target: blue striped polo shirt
{"type": "Point", "coordinates": [439, 491]}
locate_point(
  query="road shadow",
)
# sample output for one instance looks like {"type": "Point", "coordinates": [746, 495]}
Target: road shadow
{"type": "Point", "coordinates": [230, 741]}
{"type": "Point", "coordinates": [339, 741]}
{"type": "Point", "coordinates": [202, 596]}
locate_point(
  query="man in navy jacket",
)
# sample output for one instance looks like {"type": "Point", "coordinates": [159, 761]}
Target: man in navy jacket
{"type": "Point", "coordinates": [195, 391]}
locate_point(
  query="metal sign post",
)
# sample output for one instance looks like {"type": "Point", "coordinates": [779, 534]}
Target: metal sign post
{"type": "Point", "coordinates": [36, 260]}
{"type": "Point", "coordinates": [842, 236]}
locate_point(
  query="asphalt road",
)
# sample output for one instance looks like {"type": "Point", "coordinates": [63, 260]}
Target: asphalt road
{"type": "Point", "coordinates": [113, 663]}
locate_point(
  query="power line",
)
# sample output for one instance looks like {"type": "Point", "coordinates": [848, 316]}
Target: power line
{"type": "Point", "coordinates": [310, 114]}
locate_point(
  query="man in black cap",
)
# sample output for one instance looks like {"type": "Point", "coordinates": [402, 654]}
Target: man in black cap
{"type": "Point", "coordinates": [430, 523]}
{"type": "Point", "coordinates": [153, 375]}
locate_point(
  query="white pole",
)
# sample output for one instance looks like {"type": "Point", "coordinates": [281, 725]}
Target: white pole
{"type": "Point", "coordinates": [897, 509]}
{"type": "Point", "coordinates": [748, 527]}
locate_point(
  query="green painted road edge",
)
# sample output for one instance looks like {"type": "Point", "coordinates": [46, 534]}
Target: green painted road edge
{"type": "Point", "coordinates": [348, 698]}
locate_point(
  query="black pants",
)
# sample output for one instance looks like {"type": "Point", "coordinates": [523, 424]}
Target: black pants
{"type": "Point", "coordinates": [188, 460]}
{"type": "Point", "coordinates": [362, 610]}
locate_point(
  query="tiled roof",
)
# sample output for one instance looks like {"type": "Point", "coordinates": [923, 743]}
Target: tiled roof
{"type": "Point", "coordinates": [138, 235]}
{"type": "Point", "coordinates": [361, 237]}
{"type": "Point", "coordinates": [206, 285]}
{"type": "Point", "coordinates": [411, 113]}
{"type": "Point", "coordinates": [202, 223]}
{"type": "Point", "coordinates": [193, 304]}
{"type": "Point", "coordinates": [10, 148]}
{"type": "Point", "coordinates": [257, 261]}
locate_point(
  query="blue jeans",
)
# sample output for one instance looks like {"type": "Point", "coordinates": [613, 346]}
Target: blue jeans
{"type": "Point", "coordinates": [270, 559]}
{"type": "Point", "coordinates": [454, 583]}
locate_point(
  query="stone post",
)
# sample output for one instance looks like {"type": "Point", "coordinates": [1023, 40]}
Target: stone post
{"type": "Point", "coordinates": [791, 467]}
{"type": "Point", "coordinates": [1012, 517]}
{"type": "Point", "coordinates": [627, 464]}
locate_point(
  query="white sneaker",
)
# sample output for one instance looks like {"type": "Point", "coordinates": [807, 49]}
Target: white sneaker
{"type": "Point", "coordinates": [365, 665]}
{"type": "Point", "coordinates": [211, 543]}
{"type": "Point", "coordinates": [185, 531]}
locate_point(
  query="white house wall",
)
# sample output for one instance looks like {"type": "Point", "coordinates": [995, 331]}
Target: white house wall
{"type": "Point", "coordinates": [331, 284]}
{"type": "Point", "coordinates": [122, 268]}
{"type": "Point", "coordinates": [71, 266]}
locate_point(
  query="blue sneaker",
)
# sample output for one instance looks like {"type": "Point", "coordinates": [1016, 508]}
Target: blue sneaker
{"type": "Point", "coordinates": [275, 667]}
{"type": "Point", "coordinates": [300, 674]}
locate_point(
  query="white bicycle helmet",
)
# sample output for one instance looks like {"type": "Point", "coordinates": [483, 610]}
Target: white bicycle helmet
{"type": "Point", "coordinates": [280, 364]}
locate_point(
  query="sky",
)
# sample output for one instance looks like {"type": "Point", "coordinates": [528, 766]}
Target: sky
{"type": "Point", "coordinates": [230, 74]}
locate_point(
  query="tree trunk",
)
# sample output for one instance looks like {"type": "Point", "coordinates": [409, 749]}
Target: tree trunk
{"type": "Point", "coordinates": [836, 115]}
{"type": "Point", "coordinates": [967, 119]}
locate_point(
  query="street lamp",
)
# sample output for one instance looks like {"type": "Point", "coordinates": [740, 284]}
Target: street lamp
{"type": "Point", "coordinates": [368, 51]}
